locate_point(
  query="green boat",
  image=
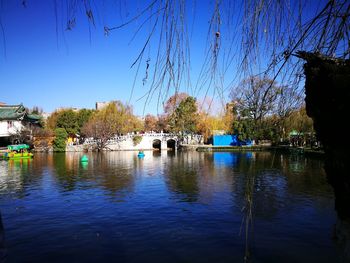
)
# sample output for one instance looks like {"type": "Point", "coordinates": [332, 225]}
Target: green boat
{"type": "Point", "coordinates": [18, 151]}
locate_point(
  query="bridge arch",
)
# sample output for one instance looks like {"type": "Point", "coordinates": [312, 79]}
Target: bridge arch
{"type": "Point", "coordinates": [171, 144]}
{"type": "Point", "coordinates": [157, 144]}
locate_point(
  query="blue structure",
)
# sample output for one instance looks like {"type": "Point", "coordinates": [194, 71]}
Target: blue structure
{"type": "Point", "coordinates": [225, 140]}
{"type": "Point", "coordinates": [141, 154]}
{"type": "Point", "coordinates": [225, 159]}
{"type": "Point", "coordinates": [229, 140]}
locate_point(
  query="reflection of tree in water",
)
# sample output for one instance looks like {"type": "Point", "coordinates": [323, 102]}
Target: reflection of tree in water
{"type": "Point", "coordinates": [194, 177]}
{"type": "Point", "coordinates": [121, 182]}
{"type": "Point", "coordinates": [244, 194]}
{"type": "Point", "coordinates": [269, 185]}
{"type": "Point", "coordinates": [269, 193]}
{"type": "Point", "coordinates": [304, 180]}
{"type": "Point", "coordinates": [66, 171]}
{"type": "Point", "coordinates": [17, 174]}
{"type": "Point", "coordinates": [259, 188]}
{"type": "Point", "coordinates": [11, 179]}
{"type": "Point", "coordinates": [116, 177]}
{"type": "Point", "coordinates": [113, 172]}
{"type": "Point", "coordinates": [296, 163]}
{"type": "Point", "coordinates": [156, 153]}
{"type": "Point", "coordinates": [274, 180]}
{"type": "Point", "coordinates": [171, 153]}
{"type": "Point", "coordinates": [263, 183]}
{"type": "Point", "coordinates": [182, 177]}
{"type": "Point", "coordinates": [253, 191]}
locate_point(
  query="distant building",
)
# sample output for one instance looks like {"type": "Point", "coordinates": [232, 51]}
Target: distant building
{"type": "Point", "coordinates": [13, 118]}
{"type": "Point", "coordinates": [67, 108]}
{"type": "Point", "coordinates": [101, 105]}
{"type": "Point", "coordinates": [219, 132]}
{"type": "Point", "coordinates": [45, 115]}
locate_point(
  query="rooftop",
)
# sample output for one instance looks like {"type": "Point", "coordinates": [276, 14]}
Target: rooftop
{"type": "Point", "coordinates": [16, 112]}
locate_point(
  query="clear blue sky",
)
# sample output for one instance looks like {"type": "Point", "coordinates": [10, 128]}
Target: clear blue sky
{"type": "Point", "coordinates": [42, 64]}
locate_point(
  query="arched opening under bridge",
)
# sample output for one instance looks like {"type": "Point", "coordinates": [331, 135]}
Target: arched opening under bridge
{"type": "Point", "coordinates": [157, 144]}
{"type": "Point", "coordinates": [171, 144]}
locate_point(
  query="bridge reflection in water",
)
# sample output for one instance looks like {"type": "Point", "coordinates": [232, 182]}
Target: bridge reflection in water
{"type": "Point", "coordinates": [167, 207]}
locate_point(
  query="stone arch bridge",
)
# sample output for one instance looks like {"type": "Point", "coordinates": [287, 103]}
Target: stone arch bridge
{"type": "Point", "coordinates": [149, 141]}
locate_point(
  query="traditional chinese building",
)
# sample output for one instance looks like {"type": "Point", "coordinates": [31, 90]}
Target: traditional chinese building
{"type": "Point", "coordinates": [13, 119]}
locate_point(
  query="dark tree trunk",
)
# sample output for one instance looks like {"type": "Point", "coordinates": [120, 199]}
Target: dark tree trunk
{"type": "Point", "coordinates": [327, 89]}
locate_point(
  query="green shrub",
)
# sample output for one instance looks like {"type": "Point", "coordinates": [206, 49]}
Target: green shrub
{"type": "Point", "coordinates": [59, 143]}
{"type": "Point", "coordinates": [137, 139]}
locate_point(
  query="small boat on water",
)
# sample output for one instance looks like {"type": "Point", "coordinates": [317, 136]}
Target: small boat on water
{"type": "Point", "coordinates": [18, 151]}
{"type": "Point", "coordinates": [84, 159]}
{"type": "Point", "coordinates": [141, 154]}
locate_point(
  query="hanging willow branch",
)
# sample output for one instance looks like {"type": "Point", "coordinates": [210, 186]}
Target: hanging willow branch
{"type": "Point", "coordinates": [245, 38]}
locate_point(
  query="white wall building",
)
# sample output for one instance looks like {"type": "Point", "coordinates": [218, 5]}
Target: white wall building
{"type": "Point", "coordinates": [13, 118]}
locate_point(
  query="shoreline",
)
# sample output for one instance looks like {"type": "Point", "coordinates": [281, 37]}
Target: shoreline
{"type": "Point", "coordinates": [210, 148]}
{"type": "Point", "coordinates": [284, 149]}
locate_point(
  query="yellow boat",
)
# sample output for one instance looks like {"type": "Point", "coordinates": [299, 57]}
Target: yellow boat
{"type": "Point", "coordinates": [19, 151]}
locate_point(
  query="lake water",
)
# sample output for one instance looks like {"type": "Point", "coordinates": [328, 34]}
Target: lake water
{"type": "Point", "coordinates": [167, 207]}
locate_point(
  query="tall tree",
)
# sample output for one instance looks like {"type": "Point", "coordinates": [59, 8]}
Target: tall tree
{"type": "Point", "coordinates": [51, 121]}
{"type": "Point", "coordinates": [83, 117]}
{"type": "Point", "coordinates": [254, 99]}
{"type": "Point", "coordinates": [67, 119]}
{"type": "Point", "coordinates": [163, 124]}
{"type": "Point", "coordinates": [183, 120]}
{"type": "Point", "coordinates": [173, 102]}
{"type": "Point", "coordinates": [229, 116]}
{"type": "Point", "coordinates": [151, 123]}
{"type": "Point", "coordinates": [114, 119]}
{"type": "Point", "coordinates": [299, 121]}
{"type": "Point", "coordinates": [288, 101]}
{"type": "Point", "coordinates": [206, 125]}
{"type": "Point", "coordinates": [36, 110]}
{"type": "Point", "coordinates": [244, 128]}
{"type": "Point", "coordinates": [59, 143]}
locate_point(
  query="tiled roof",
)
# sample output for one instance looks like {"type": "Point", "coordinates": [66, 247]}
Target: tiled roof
{"type": "Point", "coordinates": [34, 116]}
{"type": "Point", "coordinates": [16, 112]}
{"type": "Point", "coordinates": [12, 112]}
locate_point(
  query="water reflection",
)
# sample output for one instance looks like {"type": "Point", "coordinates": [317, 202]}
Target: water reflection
{"type": "Point", "coordinates": [112, 172]}
{"type": "Point", "coordinates": [168, 207]}
{"type": "Point", "coordinates": [270, 187]}
{"type": "Point", "coordinates": [225, 159]}
{"type": "Point", "coordinates": [14, 179]}
{"type": "Point", "coordinates": [182, 179]}
{"type": "Point", "coordinates": [65, 171]}
{"type": "Point", "coordinates": [2, 241]}
{"type": "Point", "coordinates": [84, 165]}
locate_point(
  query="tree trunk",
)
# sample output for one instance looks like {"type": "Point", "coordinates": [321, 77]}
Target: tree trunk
{"type": "Point", "coordinates": [327, 89]}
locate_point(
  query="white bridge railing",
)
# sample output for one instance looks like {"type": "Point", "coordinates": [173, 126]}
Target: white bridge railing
{"type": "Point", "coordinates": [117, 139]}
